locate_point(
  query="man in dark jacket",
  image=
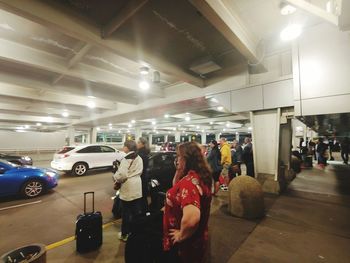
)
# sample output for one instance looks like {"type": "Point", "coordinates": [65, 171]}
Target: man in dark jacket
{"type": "Point", "coordinates": [236, 153]}
{"type": "Point", "coordinates": [143, 151]}
{"type": "Point", "coordinates": [345, 150]}
{"type": "Point", "coordinates": [247, 156]}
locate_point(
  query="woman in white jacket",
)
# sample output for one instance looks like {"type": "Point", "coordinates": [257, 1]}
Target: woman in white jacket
{"type": "Point", "coordinates": [129, 176]}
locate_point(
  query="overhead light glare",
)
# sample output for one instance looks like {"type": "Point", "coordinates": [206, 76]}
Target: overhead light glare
{"type": "Point", "coordinates": [98, 128]}
{"type": "Point", "coordinates": [211, 123]}
{"type": "Point", "coordinates": [220, 108]}
{"type": "Point", "coordinates": [154, 122]}
{"type": "Point", "coordinates": [65, 114]}
{"type": "Point", "coordinates": [166, 115]}
{"type": "Point", "coordinates": [214, 100]}
{"type": "Point", "coordinates": [91, 97]}
{"type": "Point", "coordinates": [133, 121]}
{"type": "Point", "coordinates": [91, 104]}
{"type": "Point", "coordinates": [144, 85]}
{"type": "Point", "coordinates": [129, 125]}
{"type": "Point", "coordinates": [291, 32]}
{"type": "Point", "coordinates": [187, 118]}
{"type": "Point", "coordinates": [144, 70]}
{"type": "Point", "coordinates": [26, 126]}
{"type": "Point", "coordinates": [38, 124]}
{"type": "Point", "coordinates": [49, 119]}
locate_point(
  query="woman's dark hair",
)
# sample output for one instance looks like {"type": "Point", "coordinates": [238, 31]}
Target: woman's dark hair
{"type": "Point", "coordinates": [195, 161]}
{"type": "Point", "coordinates": [214, 142]}
{"type": "Point", "coordinates": [145, 144]}
{"type": "Point", "coordinates": [131, 145]}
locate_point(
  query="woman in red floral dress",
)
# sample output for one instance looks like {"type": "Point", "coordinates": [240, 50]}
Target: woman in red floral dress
{"type": "Point", "coordinates": [187, 207]}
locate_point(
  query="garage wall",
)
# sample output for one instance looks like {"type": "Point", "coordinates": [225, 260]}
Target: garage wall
{"type": "Point", "coordinates": [31, 141]}
{"type": "Point", "coordinates": [321, 71]}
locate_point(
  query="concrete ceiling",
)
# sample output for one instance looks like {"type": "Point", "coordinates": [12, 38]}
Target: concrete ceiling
{"type": "Point", "coordinates": [61, 55]}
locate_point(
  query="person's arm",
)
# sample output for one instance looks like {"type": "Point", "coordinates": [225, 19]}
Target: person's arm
{"type": "Point", "coordinates": [121, 175]}
{"type": "Point", "coordinates": [189, 223]}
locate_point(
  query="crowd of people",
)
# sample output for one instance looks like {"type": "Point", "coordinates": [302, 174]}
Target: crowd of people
{"type": "Point", "coordinates": [187, 204]}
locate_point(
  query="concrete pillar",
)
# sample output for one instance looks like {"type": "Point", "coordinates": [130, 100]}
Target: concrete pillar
{"type": "Point", "coordinates": [203, 138]}
{"type": "Point", "coordinates": [217, 137]}
{"type": "Point", "coordinates": [190, 138]}
{"type": "Point", "coordinates": [93, 135]}
{"type": "Point", "coordinates": [71, 135]}
{"type": "Point", "coordinates": [138, 133]}
{"type": "Point", "coordinates": [150, 137]}
{"type": "Point", "coordinates": [177, 136]}
{"type": "Point", "coordinates": [165, 137]}
{"type": "Point", "coordinates": [124, 138]}
{"type": "Point", "coordinates": [266, 148]}
{"type": "Point", "coordinates": [237, 136]}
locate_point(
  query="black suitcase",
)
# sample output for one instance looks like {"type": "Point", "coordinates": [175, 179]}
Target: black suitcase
{"type": "Point", "coordinates": [88, 231]}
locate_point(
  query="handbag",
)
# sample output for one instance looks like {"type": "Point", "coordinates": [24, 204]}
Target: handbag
{"type": "Point", "coordinates": [117, 207]}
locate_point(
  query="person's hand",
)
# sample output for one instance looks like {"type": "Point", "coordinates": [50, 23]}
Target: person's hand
{"type": "Point", "coordinates": [175, 236]}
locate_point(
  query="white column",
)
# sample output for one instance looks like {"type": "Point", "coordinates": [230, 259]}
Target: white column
{"type": "Point", "coordinates": [166, 137]}
{"type": "Point", "coordinates": [203, 138]}
{"type": "Point", "coordinates": [71, 135]}
{"type": "Point", "coordinates": [177, 136]}
{"type": "Point", "coordinates": [138, 133]}
{"type": "Point", "coordinates": [124, 138]}
{"type": "Point", "coordinates": [93, 135]}
{"type": "Point", "coordinates": [150, 139]}
{"type": "Point", "coordinates": [217, 137]}
{"type": "Point", "coordinates": [237, 136]}
{"type": "Point", "coordinates": [190, 138]}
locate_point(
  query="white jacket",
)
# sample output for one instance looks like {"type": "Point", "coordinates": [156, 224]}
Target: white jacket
{"type": "Point", "coordinates": [130, 178]}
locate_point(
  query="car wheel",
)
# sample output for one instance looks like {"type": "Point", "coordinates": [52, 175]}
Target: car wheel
{"type": "Point", "coordinates": [79, 169]}
{"type": "Point", "coordinates": [32, 188]}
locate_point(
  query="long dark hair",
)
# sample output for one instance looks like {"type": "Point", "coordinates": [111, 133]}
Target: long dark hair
{"type": "Point", "coordinates": [195, 161]}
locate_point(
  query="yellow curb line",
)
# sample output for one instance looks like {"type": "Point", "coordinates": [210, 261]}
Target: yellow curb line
{"type": "Point", "coordinates": [72, 238]}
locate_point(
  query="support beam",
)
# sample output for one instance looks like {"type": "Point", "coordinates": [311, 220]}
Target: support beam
{"type": "Point", "coordinates": [315, 10]}
{"type": "Point", "coordinates": [127, 12]}
{"type": "Point", "coordinates": [225, 19]}
{"type": "Point", "coordinates": [54, 16]}
{"type": "Point", "coordinates": [17, 53]}
{"type": "Point", "coordinates": [34, 119]}
{"type": "Point", "coordinates": [73, 61]}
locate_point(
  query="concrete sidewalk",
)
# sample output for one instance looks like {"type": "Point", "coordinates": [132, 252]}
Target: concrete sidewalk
{"type": "Point", "coordinates": [300, 226]}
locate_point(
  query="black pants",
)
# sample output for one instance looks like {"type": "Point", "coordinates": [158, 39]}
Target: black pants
{"type": "Point", "coordinates": [250, 169]}
{"type": "Point", "coordinates": [130, 210]}
{"type": "Point", "coordinates": [345, 156]}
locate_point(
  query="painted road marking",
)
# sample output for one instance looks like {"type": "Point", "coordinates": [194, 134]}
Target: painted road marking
{"type": "Point", "coordinates": [15, 206]}
{"type": "Point", "coordinates": [72, 238]}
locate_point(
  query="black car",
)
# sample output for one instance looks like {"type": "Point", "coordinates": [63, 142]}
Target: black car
{"type": "Point", "coordinates": [19, 160]}
{"type": "Point", "coordinates": [161, 171]}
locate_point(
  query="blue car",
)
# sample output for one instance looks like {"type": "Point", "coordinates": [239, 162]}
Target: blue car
{"type": "Point", "coordinates": [25, 180]}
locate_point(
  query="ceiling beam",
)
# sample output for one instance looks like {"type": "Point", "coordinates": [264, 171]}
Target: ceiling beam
{"type": "Point", "coordinates": [14, 52]}
{"type": "Point", "coordinates": [315, 10]}
{"type": "Point", "coordinates": [73, 61]}
{"type": "Point", "coordinates": [54, 16]}
{"type": "Point", "coordinates": [222, 15]}
{"type": "Point", "coordinates": [28, 118]}
{"type": "Point", "coordinates": [131, 8]}
{"type": "Point", "coordinates": [344, 17]}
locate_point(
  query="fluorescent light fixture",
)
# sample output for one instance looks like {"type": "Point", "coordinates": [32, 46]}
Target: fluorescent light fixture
{"type": "Point", "coordinates": [227, 125]}
{"type": "Point", "coordinates": [38, 124]}
{"type": "Point", "coordinates": [179, 125]}
{"type": "Point", "coordinates": [26, 126]}
{"type": "Point", "coordinates": [197, 127]}
{"type": "Point", "coordinates": [174, 129]}
{"type": "Point", "coordinates": [223, 129]}
{"type": "Point", "coordinates": [169, 132]}
{"type": "Point", "coordinates": [166, 115]}
{"type": "Point", "coordinates": [110, 127]}
{"type": "Point", "coordinates": [98, 128]}
{"type": "Point", "coordinates": [65, 114]}
{"type": "Point", "coordinates": [287, 9]}
{"type": "Point", "coordinates": [214, 100]}
{"type": "Point", "coordinates": [91, 97]}
{"type": "Point", "coordinates": [211, 123]}
{"type": "Point", "coordinates": [91, 104]}
{"type": "Point", "coordinates": [48, 119]}
{"type": "Point", "coordinates": [109, 124]}
{"type": "Point", "coordinates": [188, 118]}
{"type": "Point", "coordinates": [220, 108]}
{"type": "Point", "coordinates": [20, 130]}
{"type": "Point", "coordinates": [144, 70]}
{"type": "Point", "coordinates": [291, 32]}
{"type": "Point", "coordinates": [133, 121]}
{"type": "Point", "coordinates": [154, 122]}
{"type": "Point", "coordinates": [129, 125]}
{"type": "Point", "coordinates": [144, 85]}
{"type": "Point", "coordinates": [203, 130]}
{"type": "Point", "coordinates": [157, 132]}
{"type": "Point", "coordinates": [250, 128]}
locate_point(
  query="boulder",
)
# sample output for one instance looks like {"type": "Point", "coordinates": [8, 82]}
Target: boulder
{"type": "Point", "coordinates": [246, 197]}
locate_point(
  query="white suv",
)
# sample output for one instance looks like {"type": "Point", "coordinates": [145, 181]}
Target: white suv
{"type": "Point", "coordinates": [79, 159]}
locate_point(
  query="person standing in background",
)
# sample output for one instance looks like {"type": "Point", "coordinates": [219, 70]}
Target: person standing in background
{"type": "Point", "coordinates": [214, 160]}
{"type": "Point", "coordinates": [345, 147]}
{"type": "Point", "coordinates": [143, 151]}
{"type": "Point", "coordinates": [247, 156]}
{"type": "Point", "coordinates": [225, 162]}
{"type": "Point", "coordinates": [236, 153]}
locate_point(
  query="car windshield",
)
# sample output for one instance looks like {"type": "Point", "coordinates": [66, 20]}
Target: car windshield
{"type": "Point", "coordinates": [65, 150]}
{"type": "Point", "coordinates": [8, 163]}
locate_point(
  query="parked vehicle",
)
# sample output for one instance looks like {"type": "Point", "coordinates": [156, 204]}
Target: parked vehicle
{"type": "Point", "coordinates": [79, 159]}
{"type": "Point", "coordinates": [27, 181]}
{"type": "Point", "coordinates": [20, 160]}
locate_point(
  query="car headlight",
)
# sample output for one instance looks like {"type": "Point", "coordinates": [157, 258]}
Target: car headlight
{"type": "Point", "coordinates": [26, 158]}
{"type": "Point", "coordinates": [50, 174]}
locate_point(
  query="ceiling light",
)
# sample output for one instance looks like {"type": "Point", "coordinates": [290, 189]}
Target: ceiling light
{"type": "Point", "coordinates": [144, 85]}
{"type": "Point", "coordinates": [109, 124]}
{"type": "Point", "coordinates": [223, 129]}
{"type": "Point", "coordinates": [20, 130]}
{"type": "Point", "coordinates": [154, 122]}
{"type": "Point", "coordinates": [38, 124]}
{"type": "Point", "coordinates": [187, 118]}
{"type": "Point", "coordinates": [119, 131]}
{"type": "Point", "coordinates": [129, 125]}
{"type": "Point", "coordinates": [169, 132]}
{"type": "Point", "coordinates": [179, 125]}
{"type": "Point", "coordinates": [166, 115]}
{"type": "Point", "coordinates": [174, 129]}
{"type": "Point", "coordinates": [197, 127]}
{"type": "Point", "coordinates": [98, 128]}
{"type": "Point", "coordinates": [157, 132]}
{"type": "Point", "coordinates": [287, 9]}
{"type": "Point", "coordinates": [26, 126]}
{"type": "Point", "coordinates": [65, 114]}
{"type": "Point", "coordinates": [110, 127]}
{"type": "Point", "coordinates": [48, 119]}
{"type": "Point", "coordinates": [144, 70]}
{"type": "Point", "coordinates": [291, 32]}
{"type": "Point", "coordinates": [220, 108]}
{"type": "Point", "coordinates": [91, 104]}
{"type": "Point", "coordinates": [133, 121]}
{"type": "Point", "coordinates": [250, 128]}
{"type": "Point", "coordinates": [211, 123]}
{"type": "Point", "coordinates": [214, 100]}
{"type": "Point", "coordinates": [91, 97]}
{"type": "Point", "coordinates": [227, 125]}
{"type": "Point", "coordinates": [127, 131]}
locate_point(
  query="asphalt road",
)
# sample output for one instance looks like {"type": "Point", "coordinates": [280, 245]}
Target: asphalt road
{"type": "Point", "coordinates": [53, 217]}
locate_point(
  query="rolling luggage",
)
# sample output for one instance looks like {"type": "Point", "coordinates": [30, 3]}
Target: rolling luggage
{"type": "Point", "coordinates": [88, 231]}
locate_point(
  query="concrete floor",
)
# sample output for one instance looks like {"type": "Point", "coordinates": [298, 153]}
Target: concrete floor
{"type": "Point", "coordinates": [308, 223]}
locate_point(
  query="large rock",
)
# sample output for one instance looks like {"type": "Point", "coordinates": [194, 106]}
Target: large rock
{"type": "Point", "coordinates": [246, 198]}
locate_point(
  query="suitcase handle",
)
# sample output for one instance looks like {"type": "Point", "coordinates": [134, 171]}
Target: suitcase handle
{"type": "Point", "coordinates": [93, 201]}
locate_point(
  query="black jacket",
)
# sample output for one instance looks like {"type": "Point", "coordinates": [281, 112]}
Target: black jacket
{"type": "Point", "coordinates": [214, 159]}
{"type": "Point", "coordinates": [247, 156]}
{"type": "Point", "coordinates": [144, 154]}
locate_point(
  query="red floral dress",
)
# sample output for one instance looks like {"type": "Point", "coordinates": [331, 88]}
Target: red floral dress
{"type": "Point", "coordinates": [190, 190]}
